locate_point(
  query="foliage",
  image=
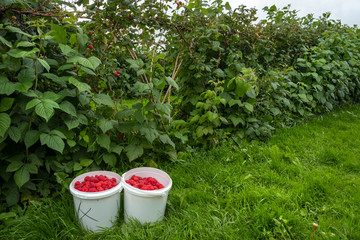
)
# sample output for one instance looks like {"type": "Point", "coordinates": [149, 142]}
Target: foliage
{"type": "Point", "coordinates": [274, 189]}
{"type": "Point", "coordinates": [54, 121]}
{"type": "Point", "coordinates": [66, 74]}
{"type": "Point", "coordinates": [242, 79]}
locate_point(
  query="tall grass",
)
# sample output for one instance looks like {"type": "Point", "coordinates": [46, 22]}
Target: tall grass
{"type": "Point", "coordinates": [256, 190]}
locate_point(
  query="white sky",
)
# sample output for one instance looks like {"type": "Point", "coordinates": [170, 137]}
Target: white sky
{"type": "Point", "coordinates": [348, 11]}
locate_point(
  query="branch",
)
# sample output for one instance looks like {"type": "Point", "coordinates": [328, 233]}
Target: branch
{"type": "Point", "coordinates": [183, 38]}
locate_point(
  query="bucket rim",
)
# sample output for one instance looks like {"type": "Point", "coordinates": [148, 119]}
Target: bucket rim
{"type": "Point", "coordinates": [96, 195]}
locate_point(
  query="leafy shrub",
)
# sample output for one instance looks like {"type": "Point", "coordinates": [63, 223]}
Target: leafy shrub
{"type": "Point", "coordinates": [63, 82]}
{"type": "Point", "coordinates": [57, 115]}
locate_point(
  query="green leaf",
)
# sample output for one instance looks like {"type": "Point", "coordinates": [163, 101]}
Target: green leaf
{"type": "Point", "coordinates": [172, 83]}
{"type": "Point", "coordinates": [69, 108]}
{"type": "Point", "coordinates": [105, 125]}
{"type": "Point", "coordinates": [31, 168]}
{"type": "Point", "coordinates": [95, 62]}
{"type": "Point", "coordinates": [18, 30]}
{"type": "Point", "coordinates": [88, 71]}
{"type": "Point", "coordinates": [52, 141]}
{"type": "Point", "coordinates": [44, 64]}
{"type": "Point", "coordinates": [135, 64]}
{"type": "Point", "coordinates": [86, 162]}
{"type": "Point", "coordinates": [66, 67]}
{"type": "Point", "coordinates": [50, 95]}
{"type": "Point", "coordinates": [5, 122]}
{"type": "Point", "coordinates": [13, 196]}
{"type": "Point", "coordinates": [57, 133]}
{"type": "Point", "coordinates": [17, 53]}
{"type": "Point", "coordinates": [14, 166]}
{"type": "Point", "coordinates": [236, 120]}
{"type": "Point", "coordinates": [219, 73]}
{"type": "Point", "coordinates": [6, 104]}
{"type": "Point", "coordinates": [167, 140]}
{"type": "Point", "coordinates": [59, 33]}
{"type": "Point", "coordinates": [65, 49]}
{"type": "Point", "coordinates": [150, 133]}
{"type": "Point", "coordinates": [303, 97]}
{"type": "Point", "coordinates": [45, 109]}
{"type": "Point", "coordinates": [232, 102]}
{"type": "Point", "coordinates": [104, 141]}
{"type": "Point", "coordinates": [77, 166]}
{"type": "Point", "coordinates": [6, 87]}
{"type": "Point", "coordinates": [6, 42]}
{"type": "Point", "coordinates": [15, 134]}
{"type": "Point", "coordinates": [26, 75]}
{"type": "Point", "coordinates": [116, 149]}
{"type": "Point", "coordinates": [249, 107]}
{"type": "Point", "coordinates": [329, 106]}
{"type": "Point", "coordinates": [21, 176]}
{"type": "Point", "coordinates": [71, 142]}
{"type": "Point", "coordinates": [142, 87]}
{"type": "Point", "coordinates": [79, 85]}
{"type": "Point", "coordinates": [32, 103]}
{"type": "Point", "coordinates": [72, 122]}
{"type": "Point", "coordinates": [86, 63]}
{"type": "Point", "coordinates": [92, 62]}
{"type": "Point", "coordinates": [110, 159]}
{"type": "Point", "coordinates": [103, 99]}
{"type": "Point", "coordinates": [61, 178]}
{"type": "Point", "coordinates": [141, 71]}
{"type": "Point", "coordinates": [275, 111]}
{"type": "Point", "coordinates": [251, 93]}
{"type": "Point", "coordinates": [24, 86]}
{"type": "Point", "coordinates": [55, 79]}
{"type": "Point", "coordinates": [25, 44]}
{"type": "Point", "coordinates": [31, 137]}
{"type": "Point", "coordinates": [268, 58]}
{"type": "Point", "coordinates": [227, 6]}
{"type": "Point", "coordinates": [134, 151]}
{"type": "Point", "coordinates": [164, 108]}
{"type": "Point", "coordinates": [200, 131]}
{"type": "Point", "coordinates": [122, 114]}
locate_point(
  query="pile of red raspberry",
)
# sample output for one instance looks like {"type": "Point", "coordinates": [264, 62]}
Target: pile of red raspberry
{"type": "Point", "coordinates": [95, 183]}
{"type": "Point", "coordinates": [146, 183]}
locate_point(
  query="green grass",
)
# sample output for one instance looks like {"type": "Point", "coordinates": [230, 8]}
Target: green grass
{"type": "Point", "coordinates": [260, 190]}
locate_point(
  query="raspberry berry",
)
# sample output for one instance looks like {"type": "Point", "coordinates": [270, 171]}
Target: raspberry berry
{"type": "Point", "coordinates": [95, 183]}
{"type": "Point", "coordinates": [146, 183]}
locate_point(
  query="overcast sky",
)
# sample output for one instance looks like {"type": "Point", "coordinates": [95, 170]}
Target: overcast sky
{"type": "Point", "coordinates": [348, 11]}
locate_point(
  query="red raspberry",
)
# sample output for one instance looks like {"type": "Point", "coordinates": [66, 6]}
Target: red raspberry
{"type": "Point", "coordinates": [91, 47]}
{"type": "Point", "coordinates": [95, 183]}
{"type": "Point", "coordinates": [148, 183]}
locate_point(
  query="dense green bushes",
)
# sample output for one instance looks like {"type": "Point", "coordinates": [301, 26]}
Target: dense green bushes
{"type": "Point", "coordinates": [56, 116]}
{"type": "Point", "coordinates": [62, 82]}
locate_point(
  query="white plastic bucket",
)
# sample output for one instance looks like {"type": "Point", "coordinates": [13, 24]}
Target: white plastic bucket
{"type": "Point", "coordinates": [97, 210]}
{"type": "Point", "coordinates": [143, 205]}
